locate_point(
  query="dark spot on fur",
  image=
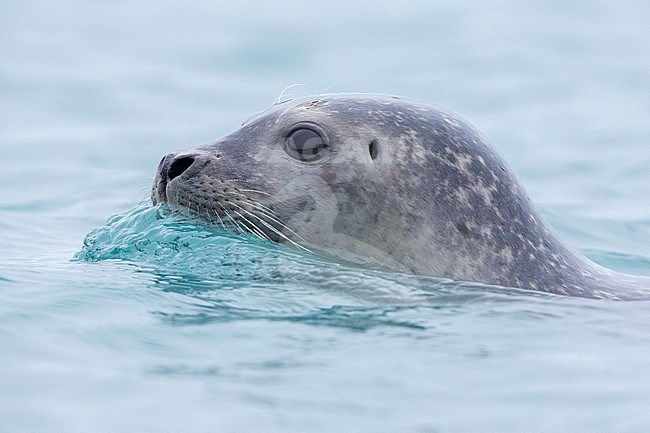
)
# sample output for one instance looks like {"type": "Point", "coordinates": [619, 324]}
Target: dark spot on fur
{"type": "Point", "coordinates": [329, 176]}
{"type": "Point", "coordinates": [463, 229]}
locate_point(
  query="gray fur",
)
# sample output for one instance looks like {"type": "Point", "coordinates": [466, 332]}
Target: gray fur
{"type": "Point", "coordinates": [437, 199]}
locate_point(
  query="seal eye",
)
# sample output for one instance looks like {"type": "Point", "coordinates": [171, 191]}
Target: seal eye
{"type": "Point", "coordinates": [305, 144]}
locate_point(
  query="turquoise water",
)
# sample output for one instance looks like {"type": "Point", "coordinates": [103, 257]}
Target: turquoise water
{"type": "Point", "coordinates": [152, 323]}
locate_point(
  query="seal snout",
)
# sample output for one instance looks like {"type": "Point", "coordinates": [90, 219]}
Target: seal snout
{"type": "Point", "coordinates": [171, 167]}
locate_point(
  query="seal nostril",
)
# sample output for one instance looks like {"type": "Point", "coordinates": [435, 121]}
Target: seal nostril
{"type": "Point", "coordinates": [178, 166]}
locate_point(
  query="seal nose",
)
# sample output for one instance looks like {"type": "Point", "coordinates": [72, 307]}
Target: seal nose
{"type": "Point", "coordinates": [179, 165]}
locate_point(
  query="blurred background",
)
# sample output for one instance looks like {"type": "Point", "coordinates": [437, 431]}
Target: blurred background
{"type": "Point", "coordinates": [92, 94]}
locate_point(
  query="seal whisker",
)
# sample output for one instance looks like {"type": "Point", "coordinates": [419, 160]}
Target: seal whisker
{"type": "Point", "coordinates": [189, 206]}
{"type": "Point", "coordinates": [278, 100]}
{"type": "Point", "coordinates": [221, 223]}
{"type": "Point", "coordinates": [259, 192]}
{"type": "Point", "coordinates": [257, 231]}
{"type": "Point", "coordinates": [332, 85]}
{"type": "Point", "coordinates": [253, 229]}
{"type": "Point", "coordinates": [273, 229]}
{"type": "Point", "coordinates": [271, 215]}
{"type": "Point", "coordinates": [236, 180]}
{"type": "Point", "coordinates": [242, 228]}
{"type": "Point", "coordinates": [276, 231]}
{"type": "Point", "coordinates": [251, 190]}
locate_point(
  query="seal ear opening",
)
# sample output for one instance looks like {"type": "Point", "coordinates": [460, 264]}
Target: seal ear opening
{"type": "Point", "coordinates": [372, 149]}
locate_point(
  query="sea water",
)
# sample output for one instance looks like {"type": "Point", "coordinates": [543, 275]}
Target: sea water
{"type": "Point", "coordinates": [116, 315]}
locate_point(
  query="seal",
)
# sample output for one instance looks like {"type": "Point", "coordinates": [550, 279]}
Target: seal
{"type": "Point", "coordinates": [388, 181]}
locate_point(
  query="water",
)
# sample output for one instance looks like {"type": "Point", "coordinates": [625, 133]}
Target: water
{"type": "Point", "coordinates": [162, 325]}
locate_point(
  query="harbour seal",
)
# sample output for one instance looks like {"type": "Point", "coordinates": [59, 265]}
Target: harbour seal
{"type": "Point", "coordinates": [385, 180]}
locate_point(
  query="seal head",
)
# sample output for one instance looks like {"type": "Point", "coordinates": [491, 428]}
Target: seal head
{"type": "Point", "coordinates": [384, 180]}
